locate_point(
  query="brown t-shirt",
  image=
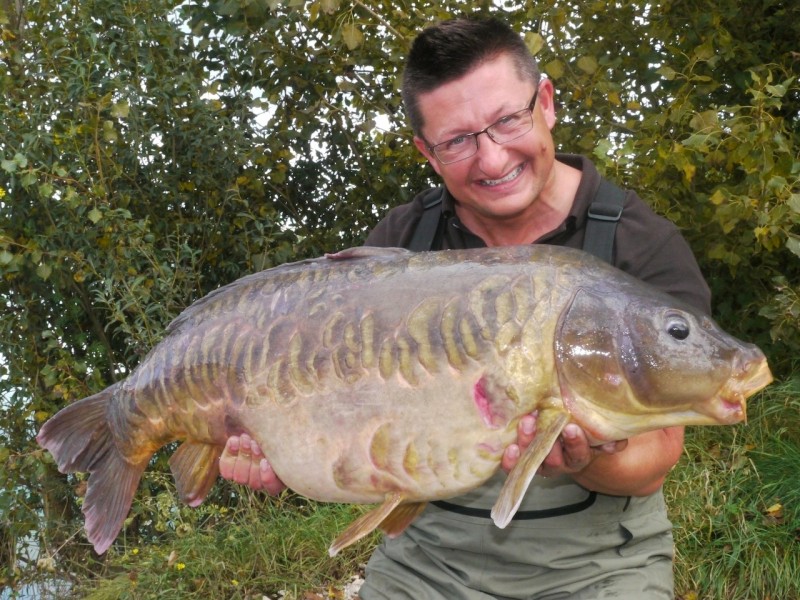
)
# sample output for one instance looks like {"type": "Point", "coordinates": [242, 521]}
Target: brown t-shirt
{"type": "Point", "coordinates": [646, 245]}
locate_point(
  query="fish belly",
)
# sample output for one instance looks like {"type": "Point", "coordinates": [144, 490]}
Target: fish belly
{"type": "Point", "coordinates": [359, 445]}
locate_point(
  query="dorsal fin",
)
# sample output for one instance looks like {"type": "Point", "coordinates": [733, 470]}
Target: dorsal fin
{"type": "Point", "coordinates": [365, 252]}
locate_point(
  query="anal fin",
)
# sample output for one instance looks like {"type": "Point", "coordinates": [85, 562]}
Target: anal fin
{"type": "Point", "coordinates": [195, 468]}
{"type": "Point", "coordinates": [367, 523]}
{"type": "Point", "coordinates": [549, 425]}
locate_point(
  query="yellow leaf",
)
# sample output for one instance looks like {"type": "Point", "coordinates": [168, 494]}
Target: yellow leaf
{"type": "Point", "coordinates": [587, 64]}
{"type": "Point", "coordinates": [329, 6]}
{"type": "Point", "coordinates": [121, 110]}
{"type": "Point", "coordinates": [776, 510]}
{"type": "Point", "coordinates": [352, 36]}
{"type": "Point", "coordinates": [689, 171]}
{"type": "Point", "coordinates": [717, 198]}
{"type": "Point", "coordinates": [95, 215]}
{"type": "Point", "coordinates": [555, 68]}
{"type": "Point", "coordinates": [534, 41]}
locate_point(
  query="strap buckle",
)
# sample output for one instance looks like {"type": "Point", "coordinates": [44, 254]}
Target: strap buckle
{"type": "Point", "coordinates": [603, 211]}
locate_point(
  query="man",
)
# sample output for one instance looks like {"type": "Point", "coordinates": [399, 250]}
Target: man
{"type": "Point", "coordinates": [594, 524]}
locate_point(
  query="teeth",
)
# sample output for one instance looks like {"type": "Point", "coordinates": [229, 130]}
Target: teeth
{"type": "Point", "coordinates": [507, 178]}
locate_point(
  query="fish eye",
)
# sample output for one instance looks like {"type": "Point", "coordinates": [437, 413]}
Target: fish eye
{"type": "Point", "coordinates": [678, 327]}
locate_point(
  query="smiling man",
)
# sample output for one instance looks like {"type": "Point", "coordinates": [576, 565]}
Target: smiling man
{"type": "Point", "coordinates": [594, 525]}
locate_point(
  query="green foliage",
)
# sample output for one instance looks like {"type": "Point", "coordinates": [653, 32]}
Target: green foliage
{"type": "Point", "coordinates": [153, 151]}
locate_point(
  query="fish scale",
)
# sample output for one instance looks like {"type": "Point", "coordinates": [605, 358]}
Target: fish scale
{"type": "Point", "coordinates": [385, 376]}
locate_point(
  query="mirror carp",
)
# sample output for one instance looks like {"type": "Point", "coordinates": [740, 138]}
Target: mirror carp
{"type": "Point", "coordinates": [379, 375]}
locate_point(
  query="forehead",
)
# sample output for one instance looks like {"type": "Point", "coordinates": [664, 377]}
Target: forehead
{"type": "Point", "coordinates": [492, 89]}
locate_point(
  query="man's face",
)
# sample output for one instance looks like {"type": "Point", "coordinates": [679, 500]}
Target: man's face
{"type": "Point", "coordinates": [500, 181]}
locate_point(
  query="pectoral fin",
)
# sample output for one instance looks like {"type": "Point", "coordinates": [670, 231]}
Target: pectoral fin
{"type": "Point", "coordinates": [392, 516]}
{"type": "Point", "coordinates": [195, 468]}
{"type": "Point", "coordinates": [401, 517]}
{"type": "Point", "coordinates": [549, 425]}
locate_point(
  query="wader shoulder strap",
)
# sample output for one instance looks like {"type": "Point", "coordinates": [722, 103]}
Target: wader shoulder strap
{"type": "Point", "coordinates": [603, 215]}
{"type": "Point", "coordinates": [428, 226]}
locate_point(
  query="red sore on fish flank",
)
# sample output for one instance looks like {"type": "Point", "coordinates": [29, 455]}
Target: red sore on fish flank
{"type": "Point", "coordinates": [484, 404]}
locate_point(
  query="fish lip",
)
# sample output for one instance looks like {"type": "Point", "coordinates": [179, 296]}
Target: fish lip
{"type": "Point", "coordinates": [751, 377]}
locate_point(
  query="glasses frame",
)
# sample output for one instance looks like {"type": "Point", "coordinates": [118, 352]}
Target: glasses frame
{"type": "Point", "coordinates": [487, 131]}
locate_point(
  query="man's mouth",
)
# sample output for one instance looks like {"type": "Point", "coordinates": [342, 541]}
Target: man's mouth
{"type": "Point", "coordinates": [510, 177]}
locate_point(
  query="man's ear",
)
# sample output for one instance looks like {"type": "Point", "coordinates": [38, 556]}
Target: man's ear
{"type": "Point", "coordinates": [546, 102]}
{"type": "Point", "coordinates": [422, 146]}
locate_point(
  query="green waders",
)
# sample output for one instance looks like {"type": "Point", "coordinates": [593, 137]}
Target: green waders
{"type": "Point", "coordinates": [617, 547]}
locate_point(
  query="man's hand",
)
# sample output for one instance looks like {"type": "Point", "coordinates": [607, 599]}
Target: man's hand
{"type": "Point", "coordinates": [571, 454]}
{"type": "Point", "coordinates": [243, 462]}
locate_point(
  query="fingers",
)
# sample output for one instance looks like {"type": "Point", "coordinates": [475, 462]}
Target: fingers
{"type": "Point", "coordinates": [243, 462]}
{"type": "Point", "coordinates": [510, 457]}
{"type": "Point", "coordinates": [574, 453]}
{"type": "Point", "coordinates": [613, 447]}
{"type": "Point", "coordinates": [526, 431]}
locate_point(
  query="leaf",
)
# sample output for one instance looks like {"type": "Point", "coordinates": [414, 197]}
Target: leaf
{"type": "Point", "coordinates": [667, 73]}
{"type": "Point", "coordinates": [9, 166]}
{"type": "Point", "coordinates": [717, 197]}
{"type": "Point", "coordinates": [793, 243]}
{"type": "Point", "coordinates": [109, 133]}
{"type": "Point", "coordinates": [329, 6]}
{"type": "Point", "coordinates": [46, 190]}
{"type": "Point", "coordinates": [555, 69]}
{"type": "Point", "coordinates": [21, 160]}
{"type": "Point", "coordinates": [794, 202]}
{"type": "Point", "coordinates": [352, 36]}
{"type": "Point", "coordinates": [534, 41]}
{"type": "Point", "coordinates": [587, 64]}
{"type": "Point", "coordinates": [121, 110]}
{"type": "Point", "coordinates": [44, 270]}
{"type": "Point", "coordinates": [95, 215]}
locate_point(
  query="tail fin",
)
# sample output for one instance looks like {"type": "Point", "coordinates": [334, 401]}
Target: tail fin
{"type": "Point", "coordinates": [79, 438]}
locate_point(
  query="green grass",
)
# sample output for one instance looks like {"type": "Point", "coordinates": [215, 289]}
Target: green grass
{"type": "Point", "coordinates": [264, 548]}
{"type": "Point", "coordinates": [734, 499]}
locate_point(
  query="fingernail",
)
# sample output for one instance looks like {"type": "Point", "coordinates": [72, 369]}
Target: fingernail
{"type": "Point", "coordinates": [571, 431]}
{"type": "Point", "coordinates": [528, 426]}
{"type": "Point", "coordinates": [513, 451]}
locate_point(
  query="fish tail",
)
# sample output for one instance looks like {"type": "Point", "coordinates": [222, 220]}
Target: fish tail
{"type": "Point", "coordinates": [80, 439]}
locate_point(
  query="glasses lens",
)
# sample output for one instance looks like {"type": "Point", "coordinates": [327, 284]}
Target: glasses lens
{"type": "Point", "coordinates": [458, 148]}
{"type": "Point", "coordinates": [511, 127]}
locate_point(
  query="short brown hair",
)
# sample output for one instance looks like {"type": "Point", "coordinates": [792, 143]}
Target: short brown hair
{"type": "Point", "coordinates": [451, 49]}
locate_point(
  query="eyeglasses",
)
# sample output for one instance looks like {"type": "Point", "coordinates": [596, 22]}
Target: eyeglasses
{"type": "Point", "coordinates": [504, 130]}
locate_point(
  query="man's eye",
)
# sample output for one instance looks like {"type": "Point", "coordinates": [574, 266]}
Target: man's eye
{"type": "Point", "coordinates": [508, 121]}
{"type": "Point", "coordinates": [456, 142]}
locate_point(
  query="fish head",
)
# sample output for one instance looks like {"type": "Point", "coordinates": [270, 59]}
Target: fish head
{"type": "Point", "coordinates": [635, 362]}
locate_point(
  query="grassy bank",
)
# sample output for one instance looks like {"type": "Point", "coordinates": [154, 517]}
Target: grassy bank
{"type": "Point", "coordinates": [734, 499]}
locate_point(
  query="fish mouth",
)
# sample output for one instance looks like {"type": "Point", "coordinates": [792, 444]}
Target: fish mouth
{"type": "Point", "coordinates": [731, 406]}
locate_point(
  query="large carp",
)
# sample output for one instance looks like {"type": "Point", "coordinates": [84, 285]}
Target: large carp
{"type": "Point", "coordinates": [386, 376]}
